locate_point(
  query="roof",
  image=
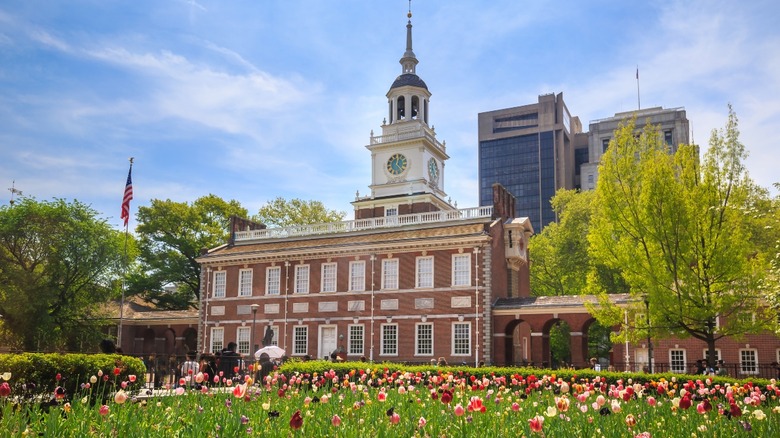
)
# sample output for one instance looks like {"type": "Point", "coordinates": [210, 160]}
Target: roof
{"type": "Point", "coordinates": [408, 79]}
{"type": "Point", "coordinates": [135, 309]}
{"type": "Point", "coordinates": [554, 301]}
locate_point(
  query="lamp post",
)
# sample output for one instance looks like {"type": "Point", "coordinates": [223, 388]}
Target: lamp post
{"type": "Point", "coordinates": [254, 307]}
{"type": "Point", "coordinates": [649, 338]}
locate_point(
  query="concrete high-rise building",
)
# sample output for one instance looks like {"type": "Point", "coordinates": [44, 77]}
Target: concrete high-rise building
{"type": "Point", "coordinates": [672, 122]}
{"type": "Point", "coordinates": [530, 150]}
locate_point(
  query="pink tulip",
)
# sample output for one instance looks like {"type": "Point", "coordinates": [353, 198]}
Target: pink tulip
{"type": "Point", "coordinates": [459, 410]}
{"type": "Point", "coordinates": [336, 420]}
{"type": "Point", "coordinates": [104, 410]}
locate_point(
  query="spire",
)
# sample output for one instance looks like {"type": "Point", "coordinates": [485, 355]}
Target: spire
{"type": "Point", "coordinates": [409, 61]}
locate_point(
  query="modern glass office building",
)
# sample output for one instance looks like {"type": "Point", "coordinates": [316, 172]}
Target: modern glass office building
{"type": "Point", "coordinates": [530, 151]}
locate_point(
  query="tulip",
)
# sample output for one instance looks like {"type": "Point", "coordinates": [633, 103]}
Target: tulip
{"type": "Point", "coordinates": [296, 422]}
{"type": "Point", "coordinates": [395, 418]}
{"type": "Point", "coordinates": [536, 423]}
{"type": "Point", "coordinates": [459, 411]}
{"type": "Point", "coordinates": [5, 389]}
{"type": "Point", "coordinates": [132, 378]}
{"type": "Point", "coordinates": [5, 376]}
{"type": "Point", "coordinates": [630, 420]}
{"type": "Point", "coordinates": [336, 420]}
{"type": "Point", "coordinates": [104, 410]}
{"type": "Point", "coordinates": [120, 397]}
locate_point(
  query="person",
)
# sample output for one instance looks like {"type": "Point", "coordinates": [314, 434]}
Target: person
{"type": "Point", "coordinates": [776, 366]}
{"type": "Point", "coordinates": [720, 368]}
{"type": "Point", "coordinates": [266, 366]}
{"type": "Point", "coordinates": [189, 368]}
{"type": "Point", "coordinates": [442, 362]}
{"type": "Point", "coordinates": [699, 367]}
{"type": "Point", "coordinates": [594, 364]}
{"type": "Point", "coordinates": [208, 365]}
{"type": "Point", "coordinates": [229, 361]}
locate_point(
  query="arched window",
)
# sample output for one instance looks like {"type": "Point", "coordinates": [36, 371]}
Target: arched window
{"type": "Point", "coordinates": [390, 110]}
{"type": "Point", "coordinates": [401, 108]}
{"type": "Point", "coordinates": [415, 107]}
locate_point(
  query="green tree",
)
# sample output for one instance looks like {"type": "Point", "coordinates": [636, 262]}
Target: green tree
{"type": "Point", "coordinates": [171, 236]}
{"type": "Point", "coordinates": [676, 226]}
{"type": "Point", "coordinates": [58, 263]}
{"type": "Point", "coordinates": [560, 259]}
{"type": "Point", "coordinates": [281, 213]}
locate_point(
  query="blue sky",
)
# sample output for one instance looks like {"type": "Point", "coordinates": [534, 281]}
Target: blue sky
{"type": "Point", "coordinates": [251, 100]}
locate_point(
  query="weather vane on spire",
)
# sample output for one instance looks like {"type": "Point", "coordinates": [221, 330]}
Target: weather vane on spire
{"type": "Point", "coordinates": [410, 9]}
{"type": "Point", "coordinates": [15, 191]}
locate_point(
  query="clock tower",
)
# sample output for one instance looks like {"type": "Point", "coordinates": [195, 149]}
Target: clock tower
{"type": "Point", "coordinates": [407, 161]}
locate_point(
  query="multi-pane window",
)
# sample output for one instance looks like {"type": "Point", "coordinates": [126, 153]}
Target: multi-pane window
{"type": "Point", "coordinates": [244, 282]}
{"type": "Point", "coordinates": [219, 284]}
{"type": "Point", "coordinates": [300, 340]}
{"type": "Point", "coordinates": [389, 339]}
{"type": "Point", "coordinates": [390, 274]}
{"type": "Point", "coordinates": [706, 354]}
{"type": "Point", "coordinates": [424, 271]}
{"type": "Point", "coordinates": [356, 336]}
{"type": "Point", "coordinates": [328, 277]}
{"type": "Point", "coordinates": [217, 339]}
{"type": "Point", "coordinates": [357, 276]}
{"type": "Point", "coordinates": [748, 361]}
{"type": "Point", "coordinates": [461, 270]}
{"type": "Point", "coordinates": [461, 339]}
{"type": "Point", "coordinates": [677, 360]}
{"type": "Point", "coordinates": [302, 279]}
{"type": "Point", "coordinates": [424, 340]}
{"type": "Point", "coordinates": [242, 339]}
{"type": "Point", "coordinates": [273, 280]}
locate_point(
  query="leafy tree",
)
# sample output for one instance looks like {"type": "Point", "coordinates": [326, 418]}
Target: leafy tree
{"type": "Point", "coordinates": [560, 344]}
{"type": "Point", "coordinates": [560, 259]}
{"type": "Point", "coordinates": [281, 213]}
{"type": "Point", "coordinates": [58, 263]}
{"type": "Point", "coordinates": [171, 236]}
{"type": "Point", "coordinates": [676, 226]}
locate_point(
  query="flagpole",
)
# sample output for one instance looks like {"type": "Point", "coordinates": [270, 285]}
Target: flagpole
{"type": "Point", "coordinates": [126, 216]}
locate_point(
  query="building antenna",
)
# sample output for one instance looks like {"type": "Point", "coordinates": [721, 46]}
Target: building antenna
{"type": "Point", "coordinates": [15, 191]}
{"type": "Point", "coordinates": [638, 103]}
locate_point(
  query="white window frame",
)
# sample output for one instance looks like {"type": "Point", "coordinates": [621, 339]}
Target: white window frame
{"type": "Point", "coordinates": [458, 339]}
{"type": "Point", "coordinates": [245, 282]}
{"type": "Point", "coordinates": [327, 278]}
{"type": "Point", "coordinates": [420, 337]}
{"type": "Point", "coordinates": [273, 280]}
{"type": "Point", "coordinates": [356, 337]}
{"type": "Point", "coordinates": [744, 366]}
{"type": "Point", "coordinates": [424, 274]}
{"type": "Point", "coordinates": [217, 339]}
{"type": "Point", "coordinates": [704, 352]}
{"type": "Point", "coordinates": [243, 339]}
{"type": "Point", "coordinates": [391, 211]}
{"type": "Point", "coordinates": [675, 365]}
{"type": "Point", "coordinates": [220, 284]}
{"type": "Point", "coordinates": [458, 279]}
{"type": "Point", "coordinates": [302, 279]}
{"type": "Point", "coordinates": [357, 276]}
{"type": "Point", "coordinates": [300, 340]}
{"type": "Point", "coordinates": [390, 276]}
{"type": "Point", "coordinates": [388, 344]}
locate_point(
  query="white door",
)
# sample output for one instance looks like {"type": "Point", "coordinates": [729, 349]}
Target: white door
{"type": "Point", "coordinates": [327, 341]}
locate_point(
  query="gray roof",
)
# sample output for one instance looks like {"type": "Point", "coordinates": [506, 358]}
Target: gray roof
{"type": "Point", "coordinates": [408, 79]}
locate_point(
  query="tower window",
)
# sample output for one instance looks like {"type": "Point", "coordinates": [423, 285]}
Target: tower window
{"type": "Point", "coordinates": [401, 108]}
{"type": "Point", "coordinates": [415, 107]}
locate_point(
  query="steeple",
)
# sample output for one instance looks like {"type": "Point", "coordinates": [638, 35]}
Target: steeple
{"type": "Point", "coordinates": [409, 61]}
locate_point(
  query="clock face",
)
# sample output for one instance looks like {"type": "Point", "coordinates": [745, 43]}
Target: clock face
{"type": "Point", "coordinates": [396, 165]}
{"type": "Point", "coordinates": [433, 170]}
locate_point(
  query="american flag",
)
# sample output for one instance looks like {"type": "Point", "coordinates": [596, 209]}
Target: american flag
{"type": "Point", "coordinates": [128, 195]}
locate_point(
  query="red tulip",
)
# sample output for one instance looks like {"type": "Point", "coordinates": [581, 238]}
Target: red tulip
{"type": "Point", "coordinates": [296, 422]}
{"type": "Point", "coordinates": [117, 371]}
{"type": "Point", "coordinates": [536, 423]}
{"type": "Point", "coordinates": [446, 396]}
{"type": "Point", "coordinates": [5, 389]}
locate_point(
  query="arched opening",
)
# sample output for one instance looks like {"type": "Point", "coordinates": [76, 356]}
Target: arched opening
{"type": "Point", "coordinates": [425, 111]}
{"type": "Point", "coordinates": [518, 343]}
{"type": "Point", "coordinates": [556, 344]}
{"type": "Point", "coordinates": [401, 108]}
{"type": "Point", "coordinates": [597, 344]}
{"type": "Point", "coordinates": [415, 107]}
{"type": "Point", "coordinates": [390, 110]}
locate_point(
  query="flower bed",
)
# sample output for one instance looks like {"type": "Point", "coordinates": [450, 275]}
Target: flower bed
{"type": "Point", "coordinates": [381, 401]}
